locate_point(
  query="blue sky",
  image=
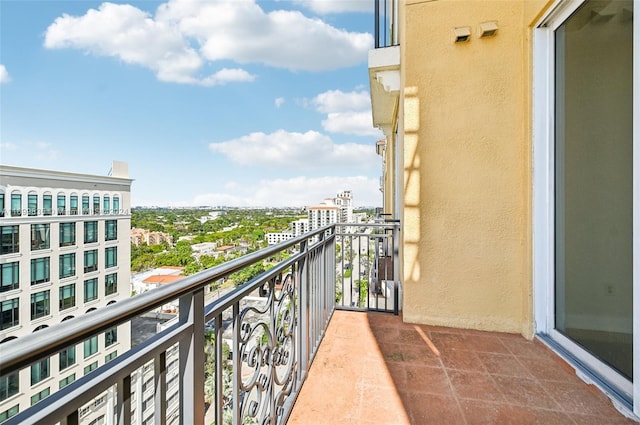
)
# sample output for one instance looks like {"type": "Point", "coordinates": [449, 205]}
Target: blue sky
{"type": "Point", "coordinates": [235, 102]}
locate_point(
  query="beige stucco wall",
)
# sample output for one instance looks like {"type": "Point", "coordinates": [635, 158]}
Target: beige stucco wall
{"type": "Point", "coordinates": [465, 111]}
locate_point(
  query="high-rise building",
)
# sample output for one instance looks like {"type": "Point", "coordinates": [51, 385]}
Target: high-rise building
{"type": "Point", "coordinates": [332, 210]}
{"type": "Point", "coordinates": [65, 251]}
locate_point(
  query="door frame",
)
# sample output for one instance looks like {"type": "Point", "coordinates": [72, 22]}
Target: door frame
{"type": "Point", "coordinates": [621, 390]}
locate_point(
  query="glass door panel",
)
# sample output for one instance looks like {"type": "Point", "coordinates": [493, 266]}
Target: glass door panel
{"type": "Point", "coordinates": [594, 181]}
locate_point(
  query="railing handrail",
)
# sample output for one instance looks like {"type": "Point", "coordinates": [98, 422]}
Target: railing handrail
{"type": "Point", "coordinates": [385, 24]}
{"type": "Point", "coordinates": [23, 351]}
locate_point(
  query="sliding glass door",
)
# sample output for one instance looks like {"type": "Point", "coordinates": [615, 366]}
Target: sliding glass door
{"type": "Point", "coordinates": [586, 188]}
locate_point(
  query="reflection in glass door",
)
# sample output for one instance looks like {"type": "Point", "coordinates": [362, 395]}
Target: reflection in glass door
{"type": "Point", "coordinates": [594, 181]}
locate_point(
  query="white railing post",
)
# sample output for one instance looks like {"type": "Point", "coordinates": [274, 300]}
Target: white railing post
{"type": "Point", "coordinates": [303, 288]}
{"type": "Point", "coordinates": [192, 359]}
{"type": "Point", "coordinates": [160, 394]}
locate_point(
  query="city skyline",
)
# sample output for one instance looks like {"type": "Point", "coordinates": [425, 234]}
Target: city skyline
{"type": "Point", "coordinates": [241, 103]}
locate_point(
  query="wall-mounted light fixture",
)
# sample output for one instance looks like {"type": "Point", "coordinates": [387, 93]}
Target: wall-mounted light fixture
{"type": "Point", "coordinates": [488, 29]}
{"type": "Point", "coordinates": [461, 34]}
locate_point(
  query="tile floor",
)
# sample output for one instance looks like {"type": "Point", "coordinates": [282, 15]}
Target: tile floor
{"type": "Point", "coordinates": [372, 368]}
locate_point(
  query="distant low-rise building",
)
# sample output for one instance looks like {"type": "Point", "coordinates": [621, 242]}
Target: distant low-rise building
{"type": "Point", "coordinates": [140, 236]}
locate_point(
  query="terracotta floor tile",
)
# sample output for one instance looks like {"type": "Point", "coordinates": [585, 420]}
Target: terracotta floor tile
{"type": "Point", "coordinates": [474, 385]}
{"type": "Point", "coordinates": [525, 392]}
{"type": "Point", "coordinates": [523, 348]}
{"type": "Point", "coordinates": [546, 368]}
{"type": "Point", "coordinates": [599, 420]}
{"type": "Point", "coordinates": [408, 353]}
{"type": "Point", "coordinates": [448, 341]}
{"type": "Point", "coordinates": [426, 409]}
{"type": "Point", "coordinates": [578, 398]}
{"type": "Point", "coordinates": [462, 360]}
{"type": "Point", "coordinates": [483, 413]}
{"type": "Point", "coordinates": [503, 364]}
{"type": "Point", "coordinates": [433, 380]}
{"type": "Point", "coordinates": [486, 343]}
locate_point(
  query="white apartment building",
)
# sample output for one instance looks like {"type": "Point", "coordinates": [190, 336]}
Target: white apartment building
{"type": "Point", "coordinates": [300, 227]}
{"type": "Point", "coordinates": [332, 210]}
{"type": "Point", "coordinates": [276, 238]}
{"type": "Point", "coordinates": [65, 251]}
{"type": "Point", "coordinates": [344, 200]}
{"type": "Point", "coordinates": [322, 215]}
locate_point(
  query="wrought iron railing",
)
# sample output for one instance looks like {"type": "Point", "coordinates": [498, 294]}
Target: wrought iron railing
{"type": "Point", "coordinates": [260, 338]}
{"type": "Point", "coordinates": [386, 23]}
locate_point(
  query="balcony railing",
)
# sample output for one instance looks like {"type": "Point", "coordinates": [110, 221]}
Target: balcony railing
{"type": "Point", "coordinates": [386, 23]}
{"type": "Point", "coordinates": [260, 338]}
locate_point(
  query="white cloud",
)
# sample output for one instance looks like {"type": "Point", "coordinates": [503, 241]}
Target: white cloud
{"type": "Point", "coordinates": [184, 35]}
{"type": "Point", "coordinates": [339, 101]}
{"type": "Point", "coordinates": [4, 75]}
{"type": "Point", "coordinates": [28, 153]}
{"type": "Point", "coordinates": [337, 6]}
{"type": "Point", "coordinates": [8, 146]}
{"type": "Point", "coordinates": [295, 192]}
{"type": "Point", "coordinates": [279, 101]}
{"type": "Point", "coordinates": [295, 150]}
{"type": "Point", "coordinates": [45, 151]}
{"type": "Point", "coordinates": [348, 113]}
{"type": "Point", "coordinates": [358, 123]}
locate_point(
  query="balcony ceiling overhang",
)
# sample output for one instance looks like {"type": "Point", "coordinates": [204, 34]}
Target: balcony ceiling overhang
{"type": "Point", "coordinates": [384, 82]}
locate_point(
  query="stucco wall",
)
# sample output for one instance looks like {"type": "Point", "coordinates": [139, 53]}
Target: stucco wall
{"type": "Point", "coordinates": [467, 165]}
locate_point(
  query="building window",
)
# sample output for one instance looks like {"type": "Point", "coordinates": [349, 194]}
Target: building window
{"type": "Point", "coordinates": [88, 369]}
{"type": "Point", "coordinates": [106, 205]}
{"type": "Point", "coordinates": [96, 205]}
{"type": "Point", "coordinates": [85, 205]}
{"type": "Point", "coordinates": [90, 290]}
{"type": "Point", "coordinates": [73, 204]}
{"type": "Point", "coordinates": [32, 204]}
{"type": "Point", "coordinates": [9, 385]}
{"type": "Point", "coordinates": [10, 239]}
{"type": "Point", "coordinates": [66, 381]}
{"type": "Point", "coordinates": [67, 265]}
{"type": "Point", "coordinates": [40, 270]}
{"type": "Point", "coordinates": [67, 296]}
{"type": "Point", "coordinates": [40, 371]}
{"type": "Point", "coordinates": [41, 395]}
{"type": "Point", "coordinates": [90, 346]}
{"type": "Point", "coordinates": [9, 276]}
{"type": "Point", "coordinates": [91, 261]}
{"type": "Point", "coordinates": [90, 231]}
{"type": "Point", "coordinates": [67, 358]}
{"type": "Point", "coordinates": [47, 205]}
{"type": "Point", "coordinates": [9, 413]}
{"type": "Point", "coordinates": [110, 356]}
{"type": "Point", "coordinates": [67, 234]}
{"type": "Point", "coordinates": [111, 230]}
{"type": "Point", "coordinates": [1, 204]}
{"type": "Point", "coordinates": [9, 313]}
{"type": "Point", "coordinates": [39, 236]}
{"type": "Point", "coordinates": [111, 257]}
{"type": "Point", "coordinates": [62, 204]}
{"type": "Point", "coordinates": [16, 204]}
{"type": "Point", "coordinates": [111, 336]}
{"type": "Point", "coordinates": [116, 205]}
{"type": "Point", "coordinates": [40, 305]}
{"type": "Point", "coordinates": [111, 284]}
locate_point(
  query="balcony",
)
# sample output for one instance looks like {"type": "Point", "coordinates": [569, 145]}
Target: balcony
{"type": "Point", "coordinates": [313, 340]}
{"type": "Point", "coordinates": [384, 66]}
{"type": "Point", "coordinates": [374, 369]}
{"type": "Point", "coordinates": [239, 358]}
